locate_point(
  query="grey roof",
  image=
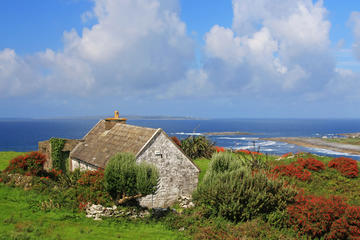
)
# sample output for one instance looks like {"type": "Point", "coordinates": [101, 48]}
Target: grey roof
{"type": "Point", "coordinates": [100, 145]}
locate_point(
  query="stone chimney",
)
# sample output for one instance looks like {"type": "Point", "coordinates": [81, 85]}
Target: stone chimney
{"type": "Point", "coordinates": [110, 122]}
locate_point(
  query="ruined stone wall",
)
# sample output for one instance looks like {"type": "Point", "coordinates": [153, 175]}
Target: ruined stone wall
{"type": "Point", "coordinates": [178, 175]}
{"type": "Point", "coordinates": [45, 148]}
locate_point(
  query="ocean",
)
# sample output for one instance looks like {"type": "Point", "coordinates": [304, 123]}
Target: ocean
{"type": "Point", "coordinates": [24, 135]}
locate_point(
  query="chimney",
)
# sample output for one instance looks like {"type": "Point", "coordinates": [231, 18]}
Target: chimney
{"type": "Point", "coordinates": [110, 122]}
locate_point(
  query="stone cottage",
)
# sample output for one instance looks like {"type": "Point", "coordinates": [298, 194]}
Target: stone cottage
{"type": "Point", "coordinates": [178, 174]}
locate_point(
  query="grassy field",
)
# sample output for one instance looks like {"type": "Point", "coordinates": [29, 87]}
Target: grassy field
{"type": "Point", "coordinates": [22, 218]}
{"type": "Point", "coordinates": [5, 157]}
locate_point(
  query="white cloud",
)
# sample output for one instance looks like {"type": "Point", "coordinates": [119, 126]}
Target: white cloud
{"type": "Point", "coordinates": [272, 45]}
{"type": "Point", "coordinates": [136, 46]}
{"type": "Point", "coordinates": [354, 21]}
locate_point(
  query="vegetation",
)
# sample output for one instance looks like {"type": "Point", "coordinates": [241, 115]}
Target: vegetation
{"type": "Point", "coordinates": [5, 158]}
{"type": "Point", "coordinates": [197, 147]}
{"type": "Point", "coordinates": [240, 196]}
{"type": "Point", "coordinates": [23, 216]}
{"type": "Point", "coordinates": [126, 180]}
{"type": "Point", "coordinates": [354, 141]}
{"type": "Point", "coordinates": [231, 190]}
{"type": "Point", "coordinates": [57, 155]}
{"type": "Point", "coordinates": [30, 164]}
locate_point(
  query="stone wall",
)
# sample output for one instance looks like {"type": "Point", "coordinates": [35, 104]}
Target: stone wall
{"type": "Point", "coordinates": [45, 148]}
{"type": "Point", "coordinates": [178, 174]}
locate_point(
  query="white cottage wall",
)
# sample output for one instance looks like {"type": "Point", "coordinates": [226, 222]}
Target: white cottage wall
{"type": "Point", "coordinates": [178, 175]}
{"type": "Point", "coordinates": [75, 163]}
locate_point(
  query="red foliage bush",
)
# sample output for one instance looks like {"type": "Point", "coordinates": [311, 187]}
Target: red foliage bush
{"type": "Point", "coordinates": [348, 226]}
{"type": "Point", "coordinates": [311, 164]}
{"type": "Point", "coordinates": [30, 164]}
{"type": "Point", "coordinates": [176, 140]}
{"type": "Point", "coordinates": [91, 188]}
{"type": "Point", "coordinates": [245, 151]}
{"type": "Point", "coordinates": [91, 178]}
{"type": "Point", "coordinates": [293, 170]}
{"type": "Point", "coordinates": [287, 155]}
{"type": "Point", "coordinates": [219, 149]}
{"type": "Point", "coordinates": [346, 166]}
{"type": "Point", "coordinates": [312, 215]}
{"type": "Point", "coordinates": [319, 217]}
{"type": "Point", "coordinates": [298, 169]}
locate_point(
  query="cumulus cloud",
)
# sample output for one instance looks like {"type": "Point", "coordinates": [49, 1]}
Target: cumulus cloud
{"type": "Point", "coordinates": [136, 46]}
{"type": "Point", "coordinates": [272, 45]}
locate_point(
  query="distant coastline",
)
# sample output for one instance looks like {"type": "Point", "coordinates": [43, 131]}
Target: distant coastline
{"type": "Point", "coordinates": [226, 133]}
{"type": "Point", "coordinates": [319, 143]}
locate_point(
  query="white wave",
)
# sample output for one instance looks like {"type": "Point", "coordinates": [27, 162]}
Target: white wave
{"type": "Point", "coordinates": [189, 134]}
{"type": "Point", "coordinates": [267, 150]}
{"type": "Point", "coordinates": [244, 147]}
{"type": "Point", "coordinates": [331, 152]}
{"type": "Point", "coordinates": [267, 143]}
{"type": "Point", "coordinates": [238, 138]}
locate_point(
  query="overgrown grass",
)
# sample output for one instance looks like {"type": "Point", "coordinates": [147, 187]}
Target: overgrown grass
{"type": "Point", "coordinates": [22, 218]}
{"type": "Point", "coordinates": [5, 157]}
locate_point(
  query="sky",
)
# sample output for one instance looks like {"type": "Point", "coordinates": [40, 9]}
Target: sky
{"type": "Point", "coordinates": [194, 58]}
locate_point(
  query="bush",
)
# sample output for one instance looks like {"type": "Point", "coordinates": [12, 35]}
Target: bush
{"type": "Point", "coordinates": [298, 169]}
{"type": "Point", "coordinates": [346, 166]}
{"type": "Point", "coordinates": [90, 188]}
{"type": "Point", "coordinates": [197, 147]}
{"type": "Point", "coordinates": [347, 227]}
{"type": "Point", "coordinates": [126, 180]}
{"type": "Point", "coordinates": [311, 164]}
{"type": "Point", "coordinates": [331, 218]}
{"type": "Point", "coordinates": [31, 164]}
{"type": "Point", "coordinates": [232, 190]}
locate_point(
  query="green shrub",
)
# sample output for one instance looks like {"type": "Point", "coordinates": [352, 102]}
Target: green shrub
{"type": "Point", "coordinates": [232, 190]}
{"type": "Point", "coordinates": [197, 147]}
{"type": "Point", "coordinates": [126, 180]}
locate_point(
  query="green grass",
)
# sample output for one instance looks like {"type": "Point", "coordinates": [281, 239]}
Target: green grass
{"type": "Point", "coordinates": [353, 141]}
{"type": "Point", "coordinates": [22, 218]}
{"type": "Point", "coordinates": [203, 164]}
{"type": "Point", "coordinates": [5, 157]}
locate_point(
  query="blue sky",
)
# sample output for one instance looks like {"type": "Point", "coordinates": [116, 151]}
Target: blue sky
{"type": "Point", "coordinates": [240, 58]}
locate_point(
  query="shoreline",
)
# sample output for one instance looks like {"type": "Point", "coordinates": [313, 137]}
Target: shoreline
{"type": "Point", "coordinates": [226, 133]}
{"type": "Point", "coordinates": [319, 143]}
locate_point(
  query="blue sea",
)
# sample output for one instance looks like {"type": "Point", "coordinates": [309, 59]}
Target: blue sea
{"type": "Point", "coordinates": [24, 135]}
